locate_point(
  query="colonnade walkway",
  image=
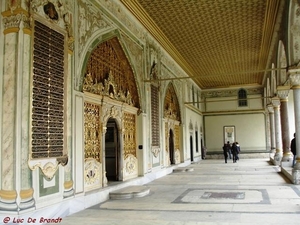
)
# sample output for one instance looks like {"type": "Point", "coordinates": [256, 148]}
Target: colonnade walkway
{"type": "Point", "coordinates": [251, 191]}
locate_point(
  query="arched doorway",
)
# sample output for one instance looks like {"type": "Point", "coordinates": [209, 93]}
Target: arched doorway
{"type": "Point", "coordinates": [191, 146]}
{"type": "Point", "coordinates": [171, 147]}
{"type": "Point", "coordinates": [112, 150]}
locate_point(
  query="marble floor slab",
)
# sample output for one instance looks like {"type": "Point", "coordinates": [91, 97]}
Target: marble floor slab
{"type": "Point", "coordinates": [210, 192]}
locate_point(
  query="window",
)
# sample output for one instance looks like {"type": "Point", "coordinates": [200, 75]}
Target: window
{"type": "Point", "coordinates": [242, 96]}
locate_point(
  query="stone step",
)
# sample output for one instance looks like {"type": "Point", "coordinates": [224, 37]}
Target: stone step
{"type": "Point", "coordinates": [183, 169]}
{"type": "Point", "coordinates": [130, 192]}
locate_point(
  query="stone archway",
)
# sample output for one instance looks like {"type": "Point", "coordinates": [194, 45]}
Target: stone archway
{"type": "Point", "coordinates": [110, 84]}
{"type": "Point", "coordinates": [172, 126]}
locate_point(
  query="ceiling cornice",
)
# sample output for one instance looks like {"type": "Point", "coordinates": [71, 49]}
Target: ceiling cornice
{"type": "Point", "coordinates": [135, 8]}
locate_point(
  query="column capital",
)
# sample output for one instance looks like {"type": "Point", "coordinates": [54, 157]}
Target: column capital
{"type": "Point", "coordinates": [283, 92]}
{"type": "Point", "coordinates": [275, 102]}
{"type": "Point", "coordinates": [13, 19]}
{"type": "Point", "coordinates": [294, 76]}
{"type": "Point", "coordinates": [270, 108]}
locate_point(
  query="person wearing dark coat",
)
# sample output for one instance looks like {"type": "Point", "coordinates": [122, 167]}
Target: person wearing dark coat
{"type": "Point", "coordinates": [225, 152]}
{"type": "Point", "coordinates": [229, 149]}
{"type": "Point", "coordinates": [234, 151]}
{"type": "Point", "coordinates": [293, 149]}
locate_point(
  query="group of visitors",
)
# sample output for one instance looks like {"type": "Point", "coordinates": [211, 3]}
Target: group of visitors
{"type": "Point", "coordinates": [231, 151]}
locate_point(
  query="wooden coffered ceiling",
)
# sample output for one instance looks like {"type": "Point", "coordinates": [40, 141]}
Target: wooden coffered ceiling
{"type": "Point", "coordinates": [219, 43]}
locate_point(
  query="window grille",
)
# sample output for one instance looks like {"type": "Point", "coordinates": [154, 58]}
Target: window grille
{"type": "Point", "coordinates": [155, 115]}
{"type": "Point", "coordinates": [47, 92]}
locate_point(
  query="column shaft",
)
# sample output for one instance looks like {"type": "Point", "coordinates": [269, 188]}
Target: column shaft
{"type": "Point", "coordinates": [296, 92]}
{"type": "Point", "coordinates": [272, 131]}
{"type": "Point", "coordinates": [285, 129]}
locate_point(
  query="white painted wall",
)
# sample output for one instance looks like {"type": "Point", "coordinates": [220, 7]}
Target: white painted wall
{"type": "Point", "coordinates": [231, 103]}
{"type": "Point", "coordinates": [250, 131]}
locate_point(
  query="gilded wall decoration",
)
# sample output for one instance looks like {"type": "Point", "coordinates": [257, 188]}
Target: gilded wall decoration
{"type": "Point", "coordinates": [109, 88]}
{"type": "Point", "coordinates": [177, 137]}
{"type": "Point", "coordinates": [109, 73]}
{"type": "Point", "coordinates": [129, 134]}
{"type": "Point", "coordinates": [92, 131]}
{"type": "Point", "coordinates": [175, 127]}
{"type": "Point", "coordinates": [171, 104]}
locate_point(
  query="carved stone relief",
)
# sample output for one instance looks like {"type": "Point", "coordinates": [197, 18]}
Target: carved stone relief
{"type": "Point", "coordinates": [90, 19]}
{"type": "Point", "coordinates": [295, 32]}
{"type": "Point", "coordinates": [58, 12]}
{"type": "Point", "coordinates": [93, 174]}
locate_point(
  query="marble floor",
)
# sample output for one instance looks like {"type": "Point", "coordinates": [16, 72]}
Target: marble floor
{"type": "Point", "coordinates": [251, 191]}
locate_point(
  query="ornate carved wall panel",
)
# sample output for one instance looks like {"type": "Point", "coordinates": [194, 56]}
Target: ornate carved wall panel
{"type": "Point", "coordinates": [177, 137]}
{"type": "Point", "coordinates": [171, 105]}
{"type": "Point", "coordinates": [92, 131]}
{"type": "Point", "coordinates": [48, 92]}
{"type": "Point", "coordinates": [109, 73]}
{"type": "Point", "coordinates": [129, 134]}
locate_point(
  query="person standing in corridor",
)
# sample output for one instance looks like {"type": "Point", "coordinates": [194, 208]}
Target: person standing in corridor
{"type": "Point", "coordinates": [293, 149]}
{"type": "Point", "coordinates": [234, 152]}
{"type": "Point", "coordinates": [225, 152]}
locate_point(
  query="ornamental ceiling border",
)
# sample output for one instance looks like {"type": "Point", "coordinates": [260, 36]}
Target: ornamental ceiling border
{"type": "Point", "coordinates": [230, 93]}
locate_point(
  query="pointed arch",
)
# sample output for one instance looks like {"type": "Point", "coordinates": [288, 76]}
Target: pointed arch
{"type": "Point", "coordinates": [109, 73]}
{"type": "Point", "coordinates": [281, 63]}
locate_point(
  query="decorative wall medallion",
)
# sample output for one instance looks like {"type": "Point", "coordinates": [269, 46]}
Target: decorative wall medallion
{"type": "Point", "coordinates": [92, 171]}
{"type": "Point", "coordinates": [50, 11]}
{"type": "Point", "coordinates": [155, 151]}
{"type": "Point", "coordinates": [130, 164]}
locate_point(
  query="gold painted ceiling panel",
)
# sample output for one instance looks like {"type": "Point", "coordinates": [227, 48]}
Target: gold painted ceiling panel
{"type": "Point", "coordinates": [220, 43]}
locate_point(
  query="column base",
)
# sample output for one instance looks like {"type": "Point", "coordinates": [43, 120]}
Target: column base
{"type": "Point", "coordinates": [8, 200]}
{"type": "Point", "coordinates": [277, 158]}
{"type": "Point", "coordinates": [296, 176]}
{"type": "Point", "coordinates": [287, 156]}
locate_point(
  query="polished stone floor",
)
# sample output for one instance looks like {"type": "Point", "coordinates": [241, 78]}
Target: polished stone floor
{"type": "Point", "coordinates": [251, 191]}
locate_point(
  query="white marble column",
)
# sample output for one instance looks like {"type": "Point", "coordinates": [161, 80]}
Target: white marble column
{"type": "Point", "coordinates": [278, 137]}
{"type": "Point", "coordinates": [15, 177]}
{"type": "Point", "coordinates": [283, 93]}
{"type": "Point", "coordinates": [272, 129]}
{"type": "Point", "coordinates": [295, 81]}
